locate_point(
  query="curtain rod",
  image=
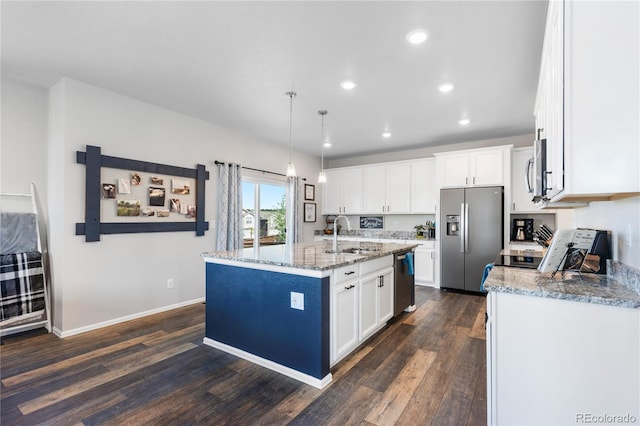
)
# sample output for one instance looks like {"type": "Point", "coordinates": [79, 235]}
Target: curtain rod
{"type": "Point", "coordinates": [255, 170]}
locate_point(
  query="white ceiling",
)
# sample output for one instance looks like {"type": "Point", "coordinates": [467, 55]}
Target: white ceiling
{"type": "Point", "coordinates": [231, 63]}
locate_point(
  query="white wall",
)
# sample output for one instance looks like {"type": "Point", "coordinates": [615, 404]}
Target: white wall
{"type": "Point", "coordinates": [123, 275]}
{"type": "Point", "coordinates": [23, 150]}
{"type": "Point", "coordinates": [622, 217]}
{"type": "Point", "coordinates": [410, 154]}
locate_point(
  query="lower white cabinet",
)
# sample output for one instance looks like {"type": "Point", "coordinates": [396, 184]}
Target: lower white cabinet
{"type": "Point", "coordinates": [425, 266]}
{"type": "Point", "coordinates": [361, 303]}
{"type": "Point", "coordinates": [344, 318]}
{"type": "Point", "coordinates": [376, 301]}
{"type": "Point", "coordinates": [425, 263]}
{"type": "Point", "coordinates": [556, 362]}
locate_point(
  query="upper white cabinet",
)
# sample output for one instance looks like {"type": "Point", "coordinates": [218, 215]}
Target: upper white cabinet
{"type": "Point", "coordinates": [521, 180]}
{"type": "Point", "coordinates": [481, 167]}
{"type": "Point", "coordinates": [424, 190]}
{"type": "Point", "coordinates": [387, 188]}
{"type": "Point", "coordinates": [343, 191]}
{"type": "Point", "coordinates": [588, 99]}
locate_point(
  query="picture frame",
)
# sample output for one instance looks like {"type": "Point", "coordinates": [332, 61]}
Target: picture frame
{"type": "Point", "coordinates": [309, 212]}
{"type": "Point", "coordinates": [309, 192]}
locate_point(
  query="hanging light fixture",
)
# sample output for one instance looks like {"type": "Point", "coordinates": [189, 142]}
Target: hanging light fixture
{"type": "Point", "coordinates": [291, 169]}
{"type": "Point", "coordinates": [322, 178]}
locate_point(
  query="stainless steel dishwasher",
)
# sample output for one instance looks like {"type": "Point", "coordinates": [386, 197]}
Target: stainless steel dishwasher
{"type": "Point", "coordinates": [404, 294]}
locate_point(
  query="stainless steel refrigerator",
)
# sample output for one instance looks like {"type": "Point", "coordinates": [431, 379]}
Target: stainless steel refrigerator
{"type": "Point", "coordinates": [471, 224]}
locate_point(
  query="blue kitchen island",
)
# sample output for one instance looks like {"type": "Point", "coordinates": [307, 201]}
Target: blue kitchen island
{"type": "Point", "coordinates": [271, 304]}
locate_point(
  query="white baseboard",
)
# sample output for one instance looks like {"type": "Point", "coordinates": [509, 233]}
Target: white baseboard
{"type": "Point", "coordinates": [84, 329]}
{"type": "Point", "coordinates": [428, 284]}
{"type": "Point", "coordinates": [289, 372]}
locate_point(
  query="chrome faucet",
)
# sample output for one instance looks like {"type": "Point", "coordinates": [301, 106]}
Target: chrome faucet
{"type": "Point", "coordinates": [335, 230]}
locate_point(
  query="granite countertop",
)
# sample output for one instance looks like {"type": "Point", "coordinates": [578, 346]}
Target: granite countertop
{"type": "Point", "coordinates": [579, 287]}
{"type": "Point", "coordinates": [312, 256]}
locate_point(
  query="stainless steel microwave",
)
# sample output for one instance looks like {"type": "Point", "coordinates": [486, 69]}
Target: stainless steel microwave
{"type": "Point", "coordinates": [537, 181]}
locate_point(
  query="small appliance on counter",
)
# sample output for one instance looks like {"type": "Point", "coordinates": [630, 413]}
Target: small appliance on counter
{"type": "Point", "coordinates": [596, 259]}
{"type": "Point", "coordinates": [522, 230]}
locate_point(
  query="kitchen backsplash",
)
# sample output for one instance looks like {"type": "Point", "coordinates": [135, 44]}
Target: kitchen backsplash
{"type": "Point", "coordinates": [376, 233]}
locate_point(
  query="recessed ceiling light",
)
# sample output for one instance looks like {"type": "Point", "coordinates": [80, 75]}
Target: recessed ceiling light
{"type": "Point", "coordinates": [445, 87]}
{"type": "Point", "coordinates": [417, 36]}
{"type": "Point", "coordinates": [327, 144]}
{"type": "Point", "coordinates": [386, 135]}
{"type": "Point", "coordinates": [464, 121]}
{"type": "Point", "coordinates": [347, 85]}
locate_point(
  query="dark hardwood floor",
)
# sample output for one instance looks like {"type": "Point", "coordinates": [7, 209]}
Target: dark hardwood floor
{"type": "Point", "coordinates": [427, 367]}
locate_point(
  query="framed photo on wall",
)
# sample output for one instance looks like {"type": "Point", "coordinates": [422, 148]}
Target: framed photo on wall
{"type": "Point", "coordinates": [309, 212]}
{"type": "Point", "coordinates": [309, 192]}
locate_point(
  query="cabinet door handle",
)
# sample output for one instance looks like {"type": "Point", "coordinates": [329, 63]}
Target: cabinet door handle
{"type": "Point", "coordinates": [514, 206]}
{"type": "Point", "coordinates": [350, 273]}
{"type": "Point", "coordinates": [349, 287]}
{"type": "Point", "coordinates": [474, 180]}
{"type": "Point", "coordinates": [466, 181]}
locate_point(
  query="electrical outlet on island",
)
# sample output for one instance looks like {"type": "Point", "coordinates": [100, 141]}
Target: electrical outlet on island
{"type": "Point", "coordinates": [297, 301]}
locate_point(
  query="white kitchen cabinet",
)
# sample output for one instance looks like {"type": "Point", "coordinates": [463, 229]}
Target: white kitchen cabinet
{"type": "Point", "coordinates": [551, 360]}
{"type": "Point", "coordinates": [361, 303]}
{"type": "Point", "coordinates": [425, 262]}
{"type": "Point", "coordinates": [387, 188]}
{"type": "Point", "coordinates": [520, 196]}
{"type": "Point", "coordinates": [343, 191]}
{"type": "Point", "coordinates": [376, 301]}
{"type": "Point", "coordinates": [424, 188]}
{"type": "Point", "coordinates": [425, 266]}
{"type": "Point", "coordinates": [344, 319]}
{"type": "Point", "coordinates": [386, 295]}
{"type": "Point", "coordinates": [480, 167]}
{"type": "Point", "coordinates": [588, 100]}
{"type": "Point", "coordinates": [453, 169]}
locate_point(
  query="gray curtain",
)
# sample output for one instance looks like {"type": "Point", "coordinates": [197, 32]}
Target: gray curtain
{"type": "Point", "coordinates": [229, 235]}
{"type": "Point", "coordinates": [294, 211]}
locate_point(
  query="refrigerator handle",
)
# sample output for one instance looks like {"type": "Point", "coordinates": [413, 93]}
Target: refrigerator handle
{"type": "Point", "coordinates": [466, 227]}
{"type": "Point", "coordinates": [462, 227]}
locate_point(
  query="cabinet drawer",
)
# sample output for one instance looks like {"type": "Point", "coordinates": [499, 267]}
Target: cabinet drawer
{"type": "Point", "coordinates": [375, 264]}
{"type": "Point", "coordinates": [346, 273]}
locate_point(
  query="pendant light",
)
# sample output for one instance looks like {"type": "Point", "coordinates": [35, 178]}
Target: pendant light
{"type": "Point", "coordinates": [322, 178]}
{"type": "Point", "coordinates": [291, 169]}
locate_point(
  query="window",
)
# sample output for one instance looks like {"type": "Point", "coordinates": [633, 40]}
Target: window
{"type": "Point", "coordinates": [263, 211]}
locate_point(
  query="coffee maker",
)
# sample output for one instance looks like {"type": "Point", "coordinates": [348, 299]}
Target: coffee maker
{"type": "Point", "coordinates": [522, 230]}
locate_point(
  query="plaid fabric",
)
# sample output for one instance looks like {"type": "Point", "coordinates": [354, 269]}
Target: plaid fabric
{"type": "Point", "coordinates": [21, 284]}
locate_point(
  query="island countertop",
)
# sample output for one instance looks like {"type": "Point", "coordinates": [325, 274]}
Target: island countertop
{"type": "Point", "coordinates": [313, 256]}
{"type": "Point", "coordinates": [579, 287]}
